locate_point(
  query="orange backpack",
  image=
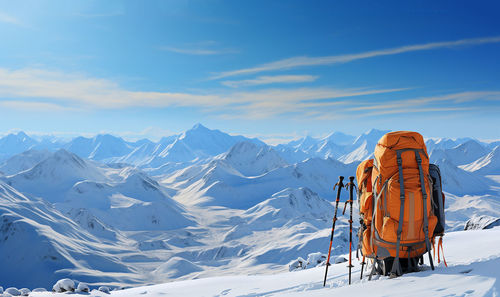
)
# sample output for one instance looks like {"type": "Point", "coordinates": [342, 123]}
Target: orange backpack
{"type": "Point", "coordinates": [395, 194]}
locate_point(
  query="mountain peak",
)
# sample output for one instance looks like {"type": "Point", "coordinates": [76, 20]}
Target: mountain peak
{"type": "Point", "coordinates": [63, 155]}
{"type": "Point", "coordinates": [199, 127]}
{"type": "Point", "coordinates": [374, 131]}
{"type": "Point", "coordinates": [21, 134]}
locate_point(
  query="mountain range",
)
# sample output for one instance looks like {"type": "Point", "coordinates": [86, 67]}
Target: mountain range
{"type": "Point", "coordinates": [200, 203]}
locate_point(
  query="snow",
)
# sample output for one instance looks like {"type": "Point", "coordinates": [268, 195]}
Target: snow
{"type": "Point", "coordinates": [25, 291]}
{"type": "Point", "coordinates": [201, 204]}
{"type": "Point", "coordinates": [64, 285]}
{"type": "Point", "coordinates": [471, 271]}
{"type": "Point", "coordinates": [464, 153]}
{"type": "Point", "coordinates": [489, 164]}
{"type": "Point", "coordinates": [23, 161]}
{"type": "Point", "coordinates": [82, 287]}
{"type": "Point", "coordinates": [12, 291]}
{"type": "Point", "coordinates": [482, 222]}
{"type": "Point", "coordinates": [103, 289]}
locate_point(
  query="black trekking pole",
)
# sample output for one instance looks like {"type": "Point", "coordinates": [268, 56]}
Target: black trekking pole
{"type": "Point", "coordinates": [340, 185]}
{"type": "Point", "coordinates": [362, 267]}
{"type": "Point", "coordinates": [351, 186]}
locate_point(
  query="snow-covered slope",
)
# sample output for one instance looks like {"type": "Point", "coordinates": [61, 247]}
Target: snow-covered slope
{"type": "Point", "coordinates": [362, 148]}
{"type": "Point", "coordinates": [23, 161]}
{"type": "Point", "coordinates": [444, 143]}
{"type": "Point", "coordinates": [458, 181]}
{"type": "Point", "coordinates": [459, 209]}
{"type": "Point", "coordinates": [333, 146]}
{"type": "Point", "coordinates": [489, 164]}
{"type": "Point", "coordinates": [287, 207]}
{"type": "Point", "coordinates": [59, 171]}
{"type": "Point", "coordinates": [39, 245]}
{"type": "Point", "coordinates": [100, 147]}
{"type": "Point", "coordinates": [218, 183]}
{"type": "Point", "coordinates": [136, 203]}
{"type": "Point", "coordinates": [251, 159]}
{"type": "Point", "coordinates": [224, 204]}
{"type": "Point", "coordinates": [470, 272]}
{"type": "Point", "coordinates": [464, 153]}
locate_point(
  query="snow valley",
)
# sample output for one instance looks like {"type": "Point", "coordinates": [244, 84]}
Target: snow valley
{"type": "Point", "coordinates": [202, 203]}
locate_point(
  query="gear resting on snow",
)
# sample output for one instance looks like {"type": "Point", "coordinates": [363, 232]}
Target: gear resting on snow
{"type": "Point", "coordinates": [401, 204]}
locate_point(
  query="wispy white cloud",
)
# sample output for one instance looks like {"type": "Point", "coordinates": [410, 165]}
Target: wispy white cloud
{"type": "Point", "coordinates": [35, 89]}
{"type": "Point", "coordinates": [296, 62]}
{"type": "Point", "coordinates": [5, 18]}
{"type": "Point", "coordinates": [265, 80]}
{"type": "Point", "coordinates": [33, 106]}
{"type": "Point", "coordinates": [86, 92]}
{"type": "Point", "coordinates": [454, 98]}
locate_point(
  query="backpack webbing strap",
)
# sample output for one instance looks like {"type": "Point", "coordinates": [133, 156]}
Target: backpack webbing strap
{"type": "Point", "coordinates": [396, 266]}
{"type": "Point", "coordinates": [424, 196]}
{"type": "Point", "coordinates": [375, 207]}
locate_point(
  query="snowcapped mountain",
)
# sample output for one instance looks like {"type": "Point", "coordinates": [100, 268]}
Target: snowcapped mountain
{"type": "Point", "coordinates": [332, 146]}
{"type": "Point", "coordinates": [362, 148]}
{"type": "Point", "coordinates": [126, 200]}
{"type": "Point", "coordinates": [201, 203]}
{"type": "Point", "coordinates": [219, 183]}
{"type": "Point", "coordinates": [23, 161]}
{"type": "Point", "coordinates": [145, 152]}
{"type": "Point", "coordinates": [458, 181]}
{"type": "Point", "coordinates": [464, 153]}
{"type": "Point", "coordinates": [59, 171]}
{"type": "Point", "coordinates": [12, 144]}
{"type": "Point", "coordinates": [38, 241]}
{"type": "Point", "coordinates": [198, 142]}
{"type": "Point", "coordinates": [251, 159]}
{"type": "Point", "coordinates": [444, 143]}
{"type": "Point", "coordinates": [489, 164]}
{"type": "Point", "coordinates": [136, 203]}
{"type": "Point", "coordinates": [100, 147]}
{"type": "Point", "coordinates": [289, 206]}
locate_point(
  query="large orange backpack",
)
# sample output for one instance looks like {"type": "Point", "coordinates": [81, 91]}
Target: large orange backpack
{"type": "Point", "coordinates": [395, 194]}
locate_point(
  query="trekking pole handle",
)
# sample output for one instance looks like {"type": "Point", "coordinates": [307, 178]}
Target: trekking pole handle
{"type": "Point", "coordinates": [339, 183]}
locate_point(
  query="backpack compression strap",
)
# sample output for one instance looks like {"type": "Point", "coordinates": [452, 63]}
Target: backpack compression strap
{"type": "Point", "coordinates": [426, 219]}
{"type": "Point", "coordinates": [396, 266]}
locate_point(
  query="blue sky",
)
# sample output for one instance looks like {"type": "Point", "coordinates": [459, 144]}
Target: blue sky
{"type": "Point", "coordinates": [272, 69]}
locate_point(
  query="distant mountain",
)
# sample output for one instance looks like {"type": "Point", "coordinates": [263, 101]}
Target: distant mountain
{"type": "Point", "coordinates": [332, 146]}
{"type": "Point", "coordinates": [127, 200]}
{"type": "Point", "coordinates": [464, 153]}
{"type": "Point", "coordinates": [12, 144]}
{"type": "Point", "coordinates": [137, 203]}
{"type": "Point", "coordinates": [219, 183]}
{"type": "Point", "coordinates": [23, 161]}
{"type": "Point", "coordinates": [252, 160]}
{"type": "Point", "coordinates": [61, 170]}
{"type": "Point", "coordinates": [459, 181]}
{"type": "Point", "coordinates": [289, 206]}
{"type": "Point", "coordinates": [197, 143]}
{"type": "Point", "coordinates": [100, 147]}
{"type": "Point", "coordinates": [489, 164]}
{"type": "Point", "coordinates": [362, 148]}
{"type": "Point", "coordinates": [144, 153]}
{"type": "Point", "coordinates": [444, 143]}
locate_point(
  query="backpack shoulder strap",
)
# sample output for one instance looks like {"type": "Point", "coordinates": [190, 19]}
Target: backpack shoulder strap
{"type": "Point", "coordinates": [396, 266]}
{"type": "Point", "coordinates": [424, 196]}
